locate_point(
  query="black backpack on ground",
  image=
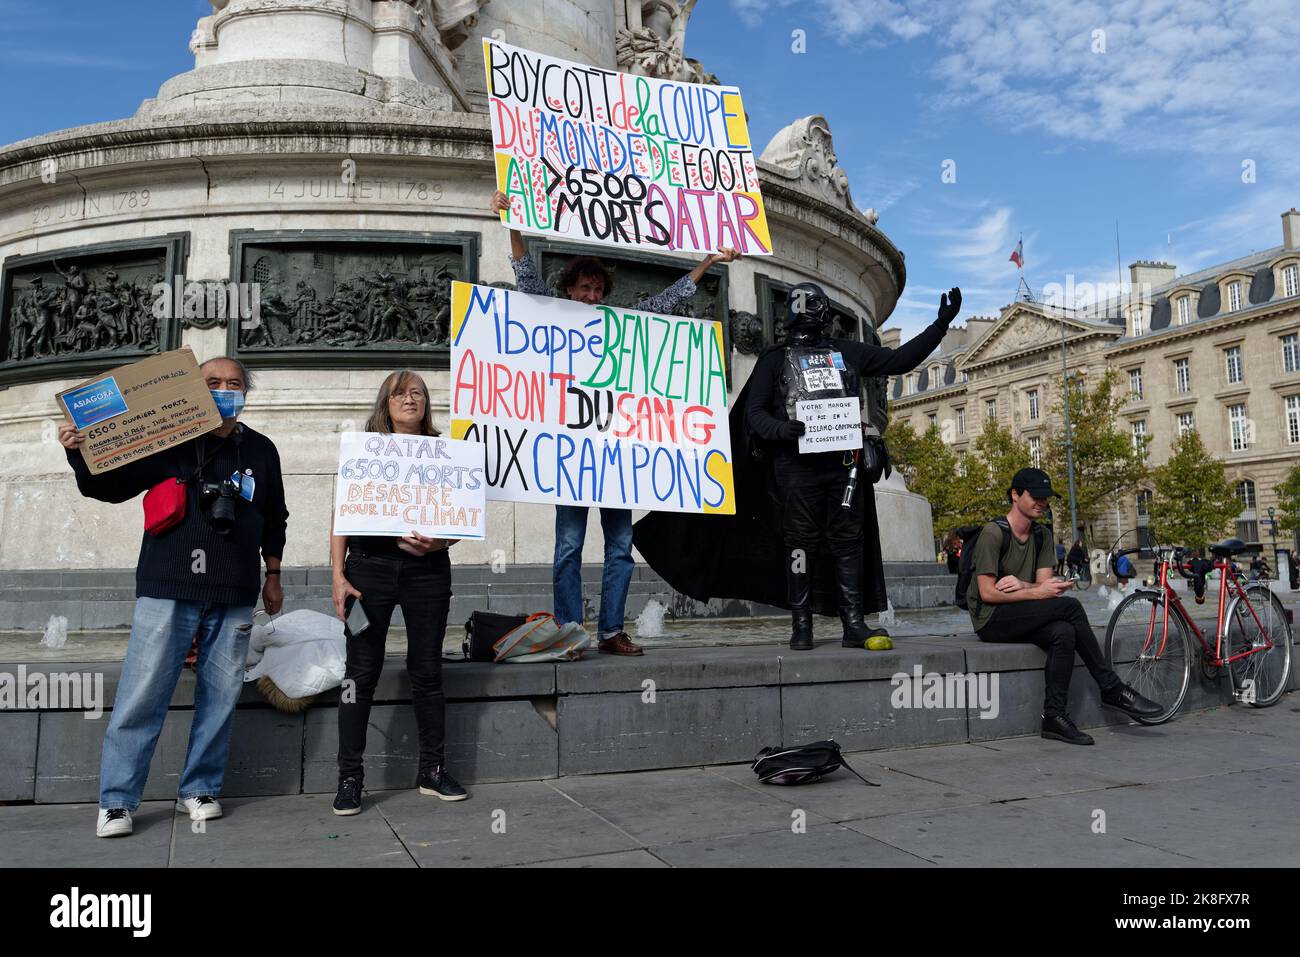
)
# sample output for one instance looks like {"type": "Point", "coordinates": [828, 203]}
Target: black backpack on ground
{"type": "Point", "coordinates": [972, 534]}
{"type": "Point", "coordinates": [801, 765]}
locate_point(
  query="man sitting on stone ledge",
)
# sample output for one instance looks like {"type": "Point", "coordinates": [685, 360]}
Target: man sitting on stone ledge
{"type": "Point", "coordinates": [585, 279]}
{"type": "Point", "coordinates": [1013, 596]}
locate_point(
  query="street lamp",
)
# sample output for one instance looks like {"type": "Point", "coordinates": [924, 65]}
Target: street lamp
{"type": "Point", "coordinates": [1272, 530]}
{"type": "Point", "coordinates": [1069, 439]}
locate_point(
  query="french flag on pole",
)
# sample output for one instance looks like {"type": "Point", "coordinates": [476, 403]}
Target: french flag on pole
{"type": "Point", "coordinates": [1018, 254]}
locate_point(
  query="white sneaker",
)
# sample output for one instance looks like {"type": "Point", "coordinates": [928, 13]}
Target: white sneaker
{"type": "Point", "coordinates": [202, 808]}
{"type": "Point", "coordinates": [113, 822]}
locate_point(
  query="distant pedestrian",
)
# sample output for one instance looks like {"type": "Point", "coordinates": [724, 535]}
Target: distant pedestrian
{"type": "Point", "coordinates": [1077, 558]}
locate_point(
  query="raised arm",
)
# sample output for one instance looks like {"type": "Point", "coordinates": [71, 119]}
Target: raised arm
{"type": "Point", "coordinates": [684, 288]}
{"type": "Point", "coordinates": [876, 360]}
{"type": "Point", "coordinates": [500, 203]}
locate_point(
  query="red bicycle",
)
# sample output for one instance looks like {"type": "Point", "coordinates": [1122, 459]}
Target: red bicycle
{"type": "Point", "coordinates": [1148, 637]}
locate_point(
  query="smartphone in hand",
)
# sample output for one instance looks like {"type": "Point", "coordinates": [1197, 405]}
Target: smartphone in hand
{"type": "Point", "coordinates": [355, 621]}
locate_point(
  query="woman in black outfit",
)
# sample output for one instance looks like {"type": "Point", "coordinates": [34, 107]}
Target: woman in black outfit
{"type": "Point", "coordinates": [381, 573]}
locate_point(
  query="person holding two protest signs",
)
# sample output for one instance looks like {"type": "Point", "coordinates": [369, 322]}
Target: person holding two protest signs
{"type": "Point", "coordinates": [381, 572]}
{"type": "Point", "coordinates": [585, 279]}
{"type": "Point", "coordinates": [199, 576]}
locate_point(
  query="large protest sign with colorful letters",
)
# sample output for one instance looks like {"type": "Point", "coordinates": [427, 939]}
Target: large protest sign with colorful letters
{"type": "Point", "coordinates": [591, 405]}
{"type": "Point", "coordinates": [620, 159]}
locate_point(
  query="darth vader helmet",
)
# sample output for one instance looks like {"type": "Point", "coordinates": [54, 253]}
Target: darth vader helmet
{"type": "Point", "coordinates": [808, 312]}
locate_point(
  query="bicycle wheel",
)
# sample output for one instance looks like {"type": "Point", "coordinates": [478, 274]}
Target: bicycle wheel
{"type": "Point", "coordinates": [1084, 581]}
{"type": "Point", "coordinates": [1156, 664]}
{"type": "Point", "coordinates": [1262, 634]}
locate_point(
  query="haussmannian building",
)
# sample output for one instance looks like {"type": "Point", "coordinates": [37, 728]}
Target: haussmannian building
{"type": "Point", "coordinates": [1217, 350]}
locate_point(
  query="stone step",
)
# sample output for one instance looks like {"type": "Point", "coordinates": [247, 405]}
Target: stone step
{"type": "Point", "coordinates": [673, 707]}
{"type": "Point", "coordinates": [94, 600]}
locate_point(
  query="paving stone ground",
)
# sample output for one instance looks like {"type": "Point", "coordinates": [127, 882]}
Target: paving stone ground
{"type": "Point", "coordinates": [1220, 787]}
{"type": "Point", "coordinates": [1214, 788]}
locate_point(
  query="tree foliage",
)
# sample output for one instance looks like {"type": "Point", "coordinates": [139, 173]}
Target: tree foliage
{"type": "Point", "coordinates": [959, 494]}
{"type": "Point", "coordinates": [1288, 501]}
{"type": "Point", "coordinates": [1107, 465]}
{"type": "Point", "coordinates": [1192, 501]}
{"type": "Point", "coordinates": [928, 467]}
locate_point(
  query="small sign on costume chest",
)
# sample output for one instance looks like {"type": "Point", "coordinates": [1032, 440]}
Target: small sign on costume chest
{"type": "Point", "coordinates": [821, 371]}
{"type": "Point", "coordinates": [832, 424]}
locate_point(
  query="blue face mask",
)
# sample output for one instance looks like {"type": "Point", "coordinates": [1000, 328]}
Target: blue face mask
{"type": "Point", "coordinates": [229, 402]}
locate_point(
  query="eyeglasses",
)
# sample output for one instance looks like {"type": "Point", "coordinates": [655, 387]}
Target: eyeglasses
{"type": "Point", "coordinates": [408, 394]}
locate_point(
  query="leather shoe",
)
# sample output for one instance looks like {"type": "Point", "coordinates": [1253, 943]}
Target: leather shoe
{"type": "Point", "coordinates": [618, 644]}
{"type": "Point", "coordinates": [1059, 727]}
{"type": "Point", "coordinates": [1131, 703]}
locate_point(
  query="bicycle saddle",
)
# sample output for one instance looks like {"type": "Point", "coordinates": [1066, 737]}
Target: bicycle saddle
{"type": "Point", "coordinates": [1228, 548]}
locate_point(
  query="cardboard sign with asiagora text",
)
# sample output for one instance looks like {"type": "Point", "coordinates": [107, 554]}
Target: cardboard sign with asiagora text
{"type": "Point", "coordinates": [135, 410]}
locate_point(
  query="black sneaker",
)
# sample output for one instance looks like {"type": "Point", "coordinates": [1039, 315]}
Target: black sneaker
{"type": "Point", "coordinates": [348, 801]}
{"type": "Point", "coordinates": [438, 782]}
{"type": "Point", "coordinates": [1131, 703]}
{"type": "Point", "coordinates": [1059, 727]}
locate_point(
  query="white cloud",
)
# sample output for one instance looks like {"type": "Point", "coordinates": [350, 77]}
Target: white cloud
{"type": "Point", "coordinates": [1213, 81]}
{"type": "Point", "coordinates": [863, 20]}
{"type": "Point", "coordinates": [977, 245]}
{"type": "Point", "coordinates": [1210, 77]}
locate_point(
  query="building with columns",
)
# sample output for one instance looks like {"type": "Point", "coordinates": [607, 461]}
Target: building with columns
{"type": "Point", "coordinates": [1217, 350]}
{"type": "Point", "coordinates": [323, 149]}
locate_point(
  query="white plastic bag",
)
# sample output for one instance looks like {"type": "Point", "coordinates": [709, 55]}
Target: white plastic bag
{"type": "Point", "coordinates": [304, 653]}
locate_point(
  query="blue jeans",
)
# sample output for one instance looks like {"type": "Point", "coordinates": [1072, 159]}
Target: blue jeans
{"type": "Point", "coordinates": [570, 530]}
{"type": "Point", "coordinates": [161, 633]}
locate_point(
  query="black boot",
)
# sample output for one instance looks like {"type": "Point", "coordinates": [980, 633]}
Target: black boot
{"type": "Point", "coordinates": [848, 571]}
{"type": "Point", "coordinates": [799, 593]}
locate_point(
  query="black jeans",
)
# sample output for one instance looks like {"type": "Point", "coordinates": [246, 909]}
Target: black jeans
{"type": "Point", "coordinates": [1060, 627]}
{"type": "Point", "coordinates": [422, 586]}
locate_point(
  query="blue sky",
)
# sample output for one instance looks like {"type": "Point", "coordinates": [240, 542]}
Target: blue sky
{"type": "Point", "coordinates": [1050, 138]}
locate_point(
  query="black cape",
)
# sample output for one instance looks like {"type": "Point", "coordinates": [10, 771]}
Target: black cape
{"type": "Point", "coordinates": [743, 555]}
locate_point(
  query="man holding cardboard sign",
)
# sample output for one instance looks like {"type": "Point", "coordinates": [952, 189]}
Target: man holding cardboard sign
{"type": "Point", "coordinates": [214, 502]}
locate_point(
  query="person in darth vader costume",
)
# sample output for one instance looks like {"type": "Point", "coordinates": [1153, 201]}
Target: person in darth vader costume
{"type": "Point", "coordinates": [805, 534]}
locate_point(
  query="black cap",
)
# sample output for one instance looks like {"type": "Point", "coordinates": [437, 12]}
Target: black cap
{"type": "Point", "coordinates": [1035, 482]}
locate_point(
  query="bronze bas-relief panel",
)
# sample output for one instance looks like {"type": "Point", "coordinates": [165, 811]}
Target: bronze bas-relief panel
{"type": "Point", "coordinates": [78, 311]}
{"type": "Point", "coordinates": [329, 299]}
